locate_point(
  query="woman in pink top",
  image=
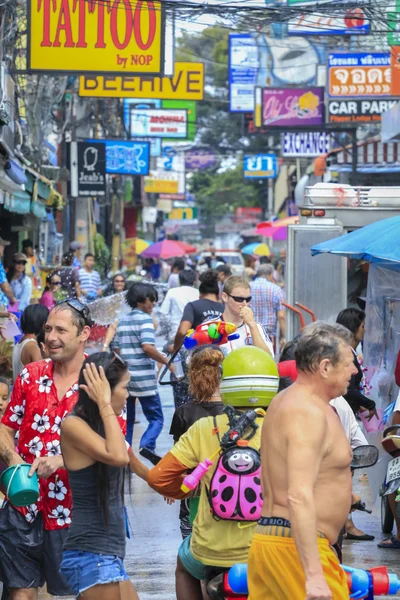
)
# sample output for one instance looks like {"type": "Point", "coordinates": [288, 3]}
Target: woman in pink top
{"type": "Point", "coordinates": [53, 282]}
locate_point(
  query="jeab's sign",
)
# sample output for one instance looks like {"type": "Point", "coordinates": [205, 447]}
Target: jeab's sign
{"type": "Point", "coordinates": [87, 36]}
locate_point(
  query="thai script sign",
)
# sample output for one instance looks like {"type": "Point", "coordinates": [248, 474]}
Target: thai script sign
{"type": "Point", "coordinates": [289, 107]}
{"type": "Point", "coordinates": [309, 143]}
{"type": "Point", "coordinates": [359, 74]}
{"type": "Point", "coordinates": [260, 166]}
{"type": "Point", "coordinates": [157, 122]}
{"type": "Point", "coordinates": [78, 36]}
{"type": "Point", "coordinates": [367, 110]}
{"type": "Point", "coordinates": [187, 83]}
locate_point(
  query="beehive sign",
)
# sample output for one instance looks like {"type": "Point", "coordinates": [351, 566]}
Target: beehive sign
{"type": "Point", "coordinates": [88, 36]}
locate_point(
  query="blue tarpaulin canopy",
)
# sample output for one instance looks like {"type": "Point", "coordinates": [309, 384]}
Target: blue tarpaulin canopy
{"type": "Point", "coordinates": [378, 243]}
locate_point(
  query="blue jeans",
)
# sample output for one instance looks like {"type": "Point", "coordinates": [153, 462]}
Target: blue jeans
{"type": "Point", "coordinates": [151, 406]}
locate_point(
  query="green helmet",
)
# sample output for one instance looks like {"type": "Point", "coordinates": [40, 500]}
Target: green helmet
{"type": "Point", "coordinates": [249, 378]}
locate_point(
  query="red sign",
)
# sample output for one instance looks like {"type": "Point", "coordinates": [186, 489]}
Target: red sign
{"type": "Point", "coordinates": [248, 215]}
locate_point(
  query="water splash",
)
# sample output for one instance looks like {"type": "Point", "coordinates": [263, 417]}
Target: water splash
{"type": "Point", "coordinates": [106, 311]}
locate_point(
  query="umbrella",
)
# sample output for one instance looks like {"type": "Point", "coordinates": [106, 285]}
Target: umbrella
{"type": "Point", "coordinates": [257, 248]}
{"type": "Point", "coordinates": [377, 243]}
{"type": "Point", "coordinates": [274, 228]}
{"type": "Point", "coordinates": [165, 249]}
{"type": "Point", "coordinates": [188, 248]}
{"type": "Point", "coordinates": [136, 245]}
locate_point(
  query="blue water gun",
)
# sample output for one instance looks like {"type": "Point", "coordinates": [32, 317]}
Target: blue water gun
{"type": "Point", "coordinates": [362, 583]}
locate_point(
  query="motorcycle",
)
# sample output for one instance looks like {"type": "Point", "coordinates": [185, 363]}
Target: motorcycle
{"type": "Point", "coordinates": [224, 585]}
{"type": "Point", "coordinates": [391, 484]}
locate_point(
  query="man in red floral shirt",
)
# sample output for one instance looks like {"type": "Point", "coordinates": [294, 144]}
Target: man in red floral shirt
{"type": "Point", "coordinates": [31, 538]}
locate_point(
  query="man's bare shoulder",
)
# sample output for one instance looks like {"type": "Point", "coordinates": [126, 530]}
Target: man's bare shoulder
{"type": "Point", "coordinates": [297, 401]}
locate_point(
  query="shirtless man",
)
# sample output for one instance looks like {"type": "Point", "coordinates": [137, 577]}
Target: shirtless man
{"type": "Point", "coordinates": [306, 477]}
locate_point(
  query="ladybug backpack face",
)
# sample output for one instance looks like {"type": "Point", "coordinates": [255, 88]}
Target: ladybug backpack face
{"type": "Point", "coordinates": [235, 491]}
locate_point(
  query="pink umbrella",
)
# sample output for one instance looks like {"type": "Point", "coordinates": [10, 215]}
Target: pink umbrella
{"type": "Point", "coordinates": [188, 248]}
{"type": "Point", "coordinates": [165, 249]}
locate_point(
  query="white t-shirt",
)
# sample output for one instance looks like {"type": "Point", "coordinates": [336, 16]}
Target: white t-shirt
{"type": "Point", "coordinates": [174, 304]}
{"type": "Point", "coordinates": [245, 339]}
{"type": "Point", "coordinates": [349, 422]}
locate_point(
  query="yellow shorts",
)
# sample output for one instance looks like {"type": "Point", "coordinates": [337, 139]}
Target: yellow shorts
{"type": "Point", "coordinates": [275, 571]}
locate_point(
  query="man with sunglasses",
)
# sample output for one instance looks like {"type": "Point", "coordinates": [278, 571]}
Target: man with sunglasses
{"type": "Point", "coordinates": [236, 296]}
{"type": "Point", "coordinates": [31, 538]}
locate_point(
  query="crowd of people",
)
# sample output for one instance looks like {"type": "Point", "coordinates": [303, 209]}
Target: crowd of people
{"type": "Point", "coordinates": [278, 495]}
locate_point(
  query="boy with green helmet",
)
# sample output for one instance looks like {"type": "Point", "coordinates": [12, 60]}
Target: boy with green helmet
{"type": "Point", "coordinates": [249, 380]}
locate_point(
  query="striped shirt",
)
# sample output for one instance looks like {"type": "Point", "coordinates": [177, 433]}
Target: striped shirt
{"type": "Point", "coordinates": [90, 281]}
{"type": "Point", "coordinates": [134, 330]}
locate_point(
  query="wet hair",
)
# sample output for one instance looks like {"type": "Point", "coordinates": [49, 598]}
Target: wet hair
{"type": "Point", "coordinates": [351, 318]}
{"type": "Point", "coordinates": [179, 263]}
{"type": "Point", "coordinates": [320, 341]}
{"type": "Point", "coordinates": [232, 282]}
{"type": "Point", "coordinates": [89, 255]}
{"type": "Point", "coordinates": [224, 269]}
{"type": "Point", "coordinates": [139, 292]}
{"type": "Point", "coordinates": [209, 282]}
{"type": "Point", "coordinates": [67, 259]}
{"type": "Point", "coordinates": [40, 338]}
{"type": "Point", "coordinates": [77, 318]}
{"type": "Point", "coordinates": [114, 368]}
{"type": "Point", "coordinates": [34, 318]}
{"type": "Point", "coordinates": [205, 372]}
{"type": "Point", "coordinates": [187, 277]}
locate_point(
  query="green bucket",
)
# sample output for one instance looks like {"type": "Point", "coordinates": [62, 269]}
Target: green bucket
{"type": "Point", "coordinates": [21, 490]}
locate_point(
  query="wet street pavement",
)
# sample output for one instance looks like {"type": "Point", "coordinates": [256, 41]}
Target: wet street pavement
{"type": "Point", "coordinates": [151, 552]}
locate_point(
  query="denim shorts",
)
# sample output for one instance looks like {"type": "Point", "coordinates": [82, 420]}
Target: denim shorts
{"type": "Point", "coordinates": [84, 570]}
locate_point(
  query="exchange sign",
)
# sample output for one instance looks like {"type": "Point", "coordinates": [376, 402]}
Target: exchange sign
{"type": "Point", "coordinates": [368, 110]}
{"type": "Point", "coordinates": [359, 74]}
{"type": "Point", "coordinates": [309, 143]}
{"type": "Point", "coordinates": [260, 166]}
{"type": "Point", "coordinates": [77, 36]}
{"type": "Point", "coordinates": [187, 83]}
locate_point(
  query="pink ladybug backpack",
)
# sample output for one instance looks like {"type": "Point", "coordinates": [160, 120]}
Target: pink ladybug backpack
{"type": "Point", "coordinates": [235, 490]}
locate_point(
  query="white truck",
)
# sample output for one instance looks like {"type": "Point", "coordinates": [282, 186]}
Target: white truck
{"type": "Point", "coordinates": [328, 211]}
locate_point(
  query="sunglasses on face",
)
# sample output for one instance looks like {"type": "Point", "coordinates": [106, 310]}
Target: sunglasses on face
{"type": "Point", "coordinates": [20, 262]}
{"type": "Point", "coordinates": [55, 282]}
{"type": "Point", "coordinates": [240, 299]}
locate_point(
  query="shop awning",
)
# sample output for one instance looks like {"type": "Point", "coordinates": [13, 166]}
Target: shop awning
{"type": "Point", "coordinates": [18, 202]}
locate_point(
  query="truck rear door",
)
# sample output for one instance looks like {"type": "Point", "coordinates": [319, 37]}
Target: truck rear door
{"type": "Point", "coordinates": [318, 282]}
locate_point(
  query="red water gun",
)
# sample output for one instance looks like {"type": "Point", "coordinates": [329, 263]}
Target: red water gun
{"type": "Point", "coordinates": [212, 332]}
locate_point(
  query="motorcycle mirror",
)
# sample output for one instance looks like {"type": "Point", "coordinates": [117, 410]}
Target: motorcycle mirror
{"type": "Point", "coordinates": [364, 457]}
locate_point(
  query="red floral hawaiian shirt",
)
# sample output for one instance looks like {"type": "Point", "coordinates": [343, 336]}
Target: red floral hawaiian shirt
{"type": "Point", "coordinates": [36, 413]}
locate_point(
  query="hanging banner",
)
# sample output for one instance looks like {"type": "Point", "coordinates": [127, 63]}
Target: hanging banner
{"type": "Point", "coordinates": [91, 165]}
{"type": "Point", "coordinates": [308, 143]}
{"type": "Point", "coordinates": [260, 166]}
{"type": "Point", "coordinates": [161, 123]}
{"type": "Point", "coordinates": [289, 107]}
{"type": "Point", "coordinates": [187, 83]}
{"type": "Point", "coordinates": [359, 74]}
{"type": "Point", "coordinates": [258, 60]}
{"type": "Point", "coordinates": [76, 36]}
{"type": "Point", "coordinates": [367, 110]}
{"type": "Point", "coordinates": [352, 22]}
